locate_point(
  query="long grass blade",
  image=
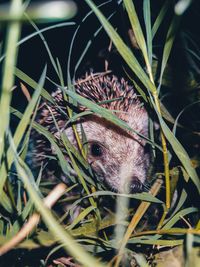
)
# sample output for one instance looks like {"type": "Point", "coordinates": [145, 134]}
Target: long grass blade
{"type": "Point", "coordinates": [123, 50]}
{"type": "Point", "coordinates": [168, 45]}
{"type": "Point", "coordinates": [8, 76]}
{"type": "Point", "coordinates": [147, 20]}
{"type": "Point", "coordinates": [57, 230]}
{"type": "Point", "coordinates": [21, 130]}
{"type": "Point", "coordinates": [160, 17]}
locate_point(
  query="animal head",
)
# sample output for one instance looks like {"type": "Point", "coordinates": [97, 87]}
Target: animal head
{"type": "Point", "coordinates": [118, 157]}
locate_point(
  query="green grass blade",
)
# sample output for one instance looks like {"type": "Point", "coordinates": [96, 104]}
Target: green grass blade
{"type": "Point", "coordinates": [123, 50]}
{"type": "Point", "coordinates": [53, 62]}
{"type": "Point", "coordinates": [56, 229]}
{"type": "Point", "coordinates": [24, 77]}
{"type": "Point", "coordinates": [8, 77]}
{"type": "Point", "coordinates": [42, 130]}
{"type": "Point", "coordinates": [168, 45]}
{"type": "Point", "coordinates": [6, 202]}
{"type": "Point", "coordinates": [130, 8]}
{"type": "Point", "coordinates": [107, 114]}
{"type": "Point", "coordinates": [87, 46]}
{"type": "Point", "coordinates": [147, 20]}
{"type": "Point", "coordinates": [181, 153]}
{"type": "Point", "coordinates": [160, 17]}
{"type": "Point", "coordinates": [34, 34]}
{"type": "Point", "coordinates": [80, 217]}
{"type": "Point", "coordinates": [21, 130]}
{"type": "Point", "coordinates": [180, 214]}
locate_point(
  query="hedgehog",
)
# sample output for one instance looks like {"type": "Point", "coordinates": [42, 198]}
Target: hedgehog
{"type": "Point", "coordinates": [119, 158]}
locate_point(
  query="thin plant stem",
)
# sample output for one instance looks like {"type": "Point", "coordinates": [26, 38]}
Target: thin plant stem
{"type": "Point", "coordinates": [13, 35]}
{"type": "Point", "coordinates": [135, 220]}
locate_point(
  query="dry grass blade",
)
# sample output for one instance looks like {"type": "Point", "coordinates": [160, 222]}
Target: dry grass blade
{"type": "Point", "coordinates": [136, 218]}
{"type": "Point", "coordinates": [137, 69]}
{"type": "Point", "coordinates": [49, 201]}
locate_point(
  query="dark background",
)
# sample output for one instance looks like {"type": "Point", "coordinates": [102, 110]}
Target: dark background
{"type": "Point", "coordinates": [184, 60]}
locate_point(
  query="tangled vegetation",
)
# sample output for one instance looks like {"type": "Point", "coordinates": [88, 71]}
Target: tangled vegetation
{"type": "Point", "coordinates": [156, 228]}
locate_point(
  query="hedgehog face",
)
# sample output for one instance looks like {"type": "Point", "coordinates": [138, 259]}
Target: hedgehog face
{"type": "Point", "coordinates": [118, 158]}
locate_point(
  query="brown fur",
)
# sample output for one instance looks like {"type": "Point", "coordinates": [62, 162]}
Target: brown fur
{"type": "Point", "coordinates": [124, 164]}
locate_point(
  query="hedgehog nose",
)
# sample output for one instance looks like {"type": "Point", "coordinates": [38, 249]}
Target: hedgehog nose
{"type": "Point", "coordinates": [136, 186]}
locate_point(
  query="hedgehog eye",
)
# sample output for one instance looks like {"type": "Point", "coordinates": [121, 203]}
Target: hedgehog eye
{"type": "Point", "coordinates": [96, 150]}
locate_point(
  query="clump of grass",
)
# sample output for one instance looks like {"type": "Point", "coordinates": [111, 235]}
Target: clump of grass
{"type": "Point", "coordinates": [89, 238]}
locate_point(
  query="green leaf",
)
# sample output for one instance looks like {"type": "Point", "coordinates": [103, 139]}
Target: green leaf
{"type": "Point", "coordinates": [107, 114]}
{"type": "Point", "coordinates": [19, 133]}
{"type": "Point", "coordinates": [147, 20]}
{"type": "Point", "coordinates": [180, 152]}
{"type": "Point", "coordinates": [14, 30]}
{"type": "Point", "coordinates": [135, 23]}
{"type": "Point", "coordinates": [168, 45]}
{"type": "Point", "coordinates": [122, 48]}
{"type": "Point", "coordinates": [72, 247]}
{"type": "Point", "coordinates": [160, 17]}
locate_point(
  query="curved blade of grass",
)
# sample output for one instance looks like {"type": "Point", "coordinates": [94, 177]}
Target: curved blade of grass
{"type": "Point", "coordinates": [8, 70]}
{"type": "Point", "coordinates": [180, 152]}
{"type": "Point", "coordinates": [178, 217]}
{"type": "Point", "coordinates": [139, 36]}
{"type": "Point", "coordinates": [135, 220]}
{"type": "Point", "coordinates": [63, 163]}
{"type": "Point", "coordinates": [29, 110]}
{"type": "Point", "coordinates": [24, 77]}
{"type": "Point", "coordinates": [73, 40]}
{"type": "Point", "coordinates": [25, 142]}
{"type": "Point", "coordinates": [88, 46]}
{"type": "Point", "coordinates": [168, 45]}
{"type": "Point", "coordinates": [6, 202]}
{"type": "Point", "coordinates": [53, 62]}
{"type": "Point", "coordinates": [160, 17]}
{"type": "Point", "coordinates": [181, 201]}
{"type": "Point", "coordinates": [60, 73]}
{"type": "Point", "coordinates": [180, 113]}
{"type": "Point", "coordinates": [69, 80]}
{"type": "Point", "coordinates": [57, 230]}
{"type": "Point", "coordinates": [147, 20]}
{"type": "Point", "coordinates": [80, 217]}
{"type": "Point", "coordinates": [140, 196]}
{"type": "Point", "coordinates": [19, 133]}
{"type": "Point", "coordinates": [159, 242]}
{"type": "Point", "coordinates": [123, 50]}
{"type": "Point", "coordinates": [32, 35]}
{"type": "Point", "coordinates": [141, 42]}
{"type": "Point", "coordinates": [75, 166]}
{"type": "Point", "coordinates": [104, 113]}
{"type": "Point", "coordinates": [130, 8]}
{"type": "Point", "coordinates": [170, 223]}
